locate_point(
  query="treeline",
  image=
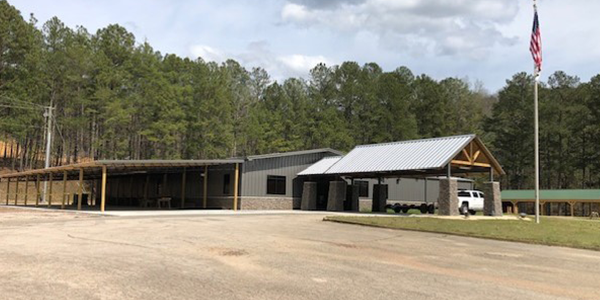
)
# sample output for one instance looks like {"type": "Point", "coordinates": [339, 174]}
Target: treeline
{"type": "Point", "coordinates": [114, 98]}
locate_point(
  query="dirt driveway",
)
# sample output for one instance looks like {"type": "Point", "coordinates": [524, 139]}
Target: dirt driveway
{"type": "Point", "coordinates": [53, 255]}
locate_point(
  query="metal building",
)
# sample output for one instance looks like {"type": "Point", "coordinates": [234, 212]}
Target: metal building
{"type": "Point", "coordinates": [270, 181]}
{"type": "Point", "coordinates": [254, 182]}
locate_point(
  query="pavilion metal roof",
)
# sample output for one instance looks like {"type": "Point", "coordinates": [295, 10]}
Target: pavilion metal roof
{"type": "Point", "coordinates": [424, 157]}
{"type": "Point", "coordinates": [432, 153]}
{"type": "Point", "coordinates": [321, 166]}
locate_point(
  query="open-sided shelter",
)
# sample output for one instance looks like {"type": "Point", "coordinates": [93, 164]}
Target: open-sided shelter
{"type": "Point", "coordinates": [444, 156]}
{"type": "Point", "coordinates": [254, 182]}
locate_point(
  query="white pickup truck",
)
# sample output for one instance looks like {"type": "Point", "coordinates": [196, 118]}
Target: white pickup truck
{"type": "Point", "coordinates": [470, 201]}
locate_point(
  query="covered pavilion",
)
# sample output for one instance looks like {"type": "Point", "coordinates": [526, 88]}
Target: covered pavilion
{"type": "Point", "coordinates": [151, 174]}
{"type": "Point", "coordinates": [445, 156]}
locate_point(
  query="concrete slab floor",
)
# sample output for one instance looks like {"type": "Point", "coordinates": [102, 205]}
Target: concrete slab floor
{"type": "Point", "coordinates": [293, 256]}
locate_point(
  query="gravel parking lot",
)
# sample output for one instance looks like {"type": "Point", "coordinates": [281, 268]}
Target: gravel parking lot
{"type": "Point", "coordinates": [52, 255]}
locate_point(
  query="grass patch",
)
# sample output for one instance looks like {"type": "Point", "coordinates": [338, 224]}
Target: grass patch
{"type": "Point", "coordinates": [575, 232]}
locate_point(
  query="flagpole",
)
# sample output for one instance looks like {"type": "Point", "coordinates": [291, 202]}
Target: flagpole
{"type": "Point", "coordinates": [537, 150]}
{"type": "Point", "coordinates": [536, 134]}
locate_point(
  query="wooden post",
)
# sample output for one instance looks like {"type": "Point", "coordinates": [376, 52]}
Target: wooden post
{"type": "Point", "coordinates": [235, 186]}
{"type": "Point", "coordinates": [205, 187]}
{"type": "Point", "coordinates": [26, 188]}
{"type": "Point", "coordinates": [80, 196]}
{"type": "Point", "coordinates": [572, 207]}
{"type": "Point", "coordinates": [103, 190]}
{"type": "Point", "coordinates": [50, 190]}
{"type": "Point", "coordinates": [515, 206]}
{"type": "Point", "coordinates": [62, 204]}
{"type": "Point", "coordinates": [37, 190]}
{"type": "Point", "coordinates": [183, 188]}
{"type": "Point", "coordinates": [16, 191]}
{"type": "Point", "coordinates": [542, 208]}
{"type": "Point", "coordinates": [7, 189]}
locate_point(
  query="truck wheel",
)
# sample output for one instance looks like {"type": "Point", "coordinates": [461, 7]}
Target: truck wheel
{"type": "Point", "coordinates": [472, 212]}
{"type": "Point", "coordinates": [423, 208]}
{"type": "Point", "coordinates": [431, 209]}
{"type": "Point", "coordinates": [405, 208]}
{"type": "Point", "coordinates": [397, 208]}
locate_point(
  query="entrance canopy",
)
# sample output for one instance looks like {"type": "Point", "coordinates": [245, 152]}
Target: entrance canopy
{"type": "Point", "coordinates": [462, 154]}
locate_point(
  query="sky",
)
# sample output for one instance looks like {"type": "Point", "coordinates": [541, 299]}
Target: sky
{"type": "Point", "coordinates": [484, 41]}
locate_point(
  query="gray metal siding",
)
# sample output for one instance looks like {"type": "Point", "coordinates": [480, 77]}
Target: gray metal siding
{"type": "Point", "coordinates": [255, 173]}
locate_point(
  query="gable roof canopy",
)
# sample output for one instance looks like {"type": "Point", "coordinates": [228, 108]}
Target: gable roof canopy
{"type": "Point", "coordinates": [426, 157]}
{"type": "Point", "coordinates": [321, 166]}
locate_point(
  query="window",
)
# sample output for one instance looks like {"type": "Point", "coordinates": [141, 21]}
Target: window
{"type": "Point", "coordinates": [481, 195]}
{"type": "Point", "coordinates": [226, 184]}
{"type": "Point", "coordinates": [363, 188]}
{"type": "Point", "coordinates": [276, 185]}
{"type": "Point", "coordinates": [464, 194]}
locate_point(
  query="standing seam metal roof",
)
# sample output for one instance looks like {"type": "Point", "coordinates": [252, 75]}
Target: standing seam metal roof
{"type": "Point", "coordinates": [321, 166]}
{"type": "Point", "coordinates": [423, 154]}
{"type": "Point", "coordinates": [292, 153]}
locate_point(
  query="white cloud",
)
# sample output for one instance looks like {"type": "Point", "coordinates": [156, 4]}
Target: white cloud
{"type": "Point", "coordinates": [466, 28]}
{"type": "Point", "coordinates": [292, 11]}
{"type": "Point", "coordinates": [300, 64]}
{"type": "Point", "coordinates": [208, 53]}
{"type": "Point", "coordinates": [258, 54]}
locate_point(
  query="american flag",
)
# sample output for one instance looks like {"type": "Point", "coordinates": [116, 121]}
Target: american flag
{"type": "Point", "coordinates": [535, 46]}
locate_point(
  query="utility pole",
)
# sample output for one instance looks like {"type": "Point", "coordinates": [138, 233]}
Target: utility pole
{"type": "Point", "coordinates": [48, 114]}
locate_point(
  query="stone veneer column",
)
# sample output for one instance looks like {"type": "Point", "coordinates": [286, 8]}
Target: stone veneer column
{"type": "Point", "coordinates": [337, 195]}
{"type": "Point", "coordinates": [380, 196]}
{"type": "Point", "coordinates": [448, 199]}
{"type": "Point", "coordinates": [309, 196]}
{"type": "Point", "coordinates": [492, 203]}
{"type": "Point", "coordinates": [352, 197]}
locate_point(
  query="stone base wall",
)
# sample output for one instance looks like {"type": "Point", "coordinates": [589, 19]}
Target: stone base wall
{"type": "Point", "coordinates": [309, 196]}
{"type": "Point", "coordinates": [448, 200]}
{"type": "Point", "coordinates": [380, 196]}
{"type": "Point", "coordinates": [337, 195]}
{"type": "Point", "coordinates": [492, 203]}
{"type": "Point", "coordinates": [268, 203]}
{"type": "Point", "coordinates": [365, 204]}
